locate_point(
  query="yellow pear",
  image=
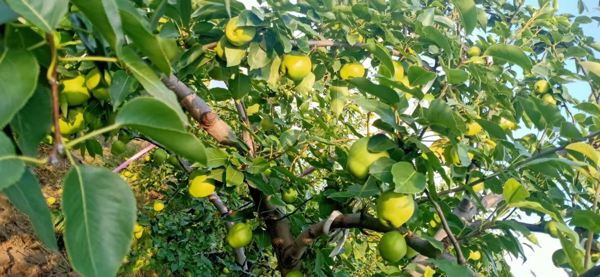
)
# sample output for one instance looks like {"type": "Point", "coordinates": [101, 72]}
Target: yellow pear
{"type": "Point", "coordinates": [76, 91]}
{"type": "Point", "coordinates": [201, 186]}
{"type": "Point", "coordinates": [474, 52]}
{"type": "Point", "coordinates": [296, 66]}
{"type": "Point", "coordinates": [239, 235]}
{"type": "Point", "coordinates": [541, 86]}
{"type": "Point", "coordinates": [360, 158]}
{"type": "Point", "coordinates": [101, 94]}
{"type": "Point", "coordinates": [549, 98]}
{"type": "Point", "coordinates": [352, 70]}
{"type": "Point", "coordinates": [69, 128]}
{"type": "Point", "coordinates": [395, 209]}
{"type": "Point", "coordinates": [239, 36]}
{"type": "Point", "coordinates": [473, 128]}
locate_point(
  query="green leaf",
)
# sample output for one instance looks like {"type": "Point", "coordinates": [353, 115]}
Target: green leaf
{"type": "Point", "coordinates": [451, 268]}
{"type": "Point", "coordinates": [440, 113]}
{"type": "Point", "coordinates": [456, 76]}
{"type": "Point", "coordinates": [414, 91]}
{"type": "Point", "coordinates": [380, 143]}
{"type": "Point", "coordinates": [511, 224]}
{"type": "Point", "coordinates": [240, 86]}
{"type": "Point", "coordinates": [6, 13]}
{"type": "Point", "coordinates": [586, 219]}
{"type": "Point", "coordinates": [510, 53]}
{"type": "Point", "coordinates": [100, 212]}
{"type": "Point", "coordinates": [384, 93]}
{"type": "Point", "coordinates": [18, 78]}
{"type": "Point", "coordinates": [104, 15]}
{"type": "Point", "coordinates": [234, 54]}
{"type": "Point", "coordinates": [383, 54]}
{"type": "Point", "coordinates": [439, 39]}
{"type": "Point", "coordinates": [418, 76]}
{"type": "Point", "coordinates": [549, 113]}
{"type": "Point", "coordinates": [514, 191]}
{"type": "Point", "coordinates": [569, 130]}
{"type": "Point", "coordinates": [361, 11]}
{"type": "Point", "coordinates": [306, 85]}
{"type": "Point", "coordinates": [11, 168]}
{"type": "Point", "coordinates": [156, 120]}
{"type": "Point", "coordinates": [215, 157]}
{"type": "Point", "coordinates": [120, 88]}
{"type": "Point", "coordinates": [367, 190]}
{"type": "Point", "coordinates": [185, 11]}
{"type": "Point", "coordinates": [534, 206]}
{"type": "Point", "coordinates": [492, 128]}
{"type": "Point", "coordinates": [575, 256]}
{"type": "Point", "coordinates": [259, 165]}
{"type": "Point", "coordinates": [435, 243]}
{"type": "Point", "coordinates": [382, 169]}
{"type": "Point", "coordinates": [257, 57]}
{"type": "Point", "coordinates": [233, 177]}
{"type": "Point", "coordinates": [138, 30]}
{"type": "Point", "coordinates": [33, 122]}
{"type": "Point", "coordinates": [584, 149]}
{"type": "Point", "coordinates": [44, 14]}
{"type": "Point", "coordinates": [406, 179]}
{"type": "Point", "coordinates": [145, 75]}
{"type": "Point", "coordinates": [384, 111]}
{"type": "Point", "coordinates": [590, 108]}
{"type": "Point", "coordinates": [468, 14]}
{"type": "Point", "coordinates": [26, 195]}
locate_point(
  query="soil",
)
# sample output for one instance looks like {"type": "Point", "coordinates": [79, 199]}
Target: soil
{"type": "Point", "coordinates": [21, 253]}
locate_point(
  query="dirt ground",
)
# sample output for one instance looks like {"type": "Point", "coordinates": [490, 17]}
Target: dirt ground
{"type": "Point", "coordinates": [21, 254]}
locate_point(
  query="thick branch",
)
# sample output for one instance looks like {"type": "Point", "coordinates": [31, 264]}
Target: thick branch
{"type": "Point", "coordinates": [200, 111]}
{"type": "Point", "coordinates": [363, 221]}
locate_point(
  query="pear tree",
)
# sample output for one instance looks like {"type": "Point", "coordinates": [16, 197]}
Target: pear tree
{"type": "Point", "coordinates": [305, 138]}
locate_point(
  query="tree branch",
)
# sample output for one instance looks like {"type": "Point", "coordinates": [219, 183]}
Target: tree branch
{"type": "Point", "coordinates": [58, 144]}
{"type": "Point", "coordinates": [199, 110]}
{"type": "Point", "coordinates": [279, 230]}
{"type": "Point", "coordinates": [521, 163]}
{"type": "Point", "coordinates": [357, 220]}
{"type": "Point", "coordinates": [459, 254]}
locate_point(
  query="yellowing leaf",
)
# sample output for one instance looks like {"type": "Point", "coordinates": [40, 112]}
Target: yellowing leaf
{"type": "Point", "coordinates": [429, 272]}
{"type": "Point", "coordinates": [514, 191]}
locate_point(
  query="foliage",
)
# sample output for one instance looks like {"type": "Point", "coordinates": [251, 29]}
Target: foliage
{"type": "Point", "coordinates": [448, 121]}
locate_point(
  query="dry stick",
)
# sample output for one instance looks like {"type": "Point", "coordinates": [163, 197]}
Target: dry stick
{"type": "Point", "coordinates": [519, 164]}
{"type": "Point", "coordinates": [459, 254]}
{"type": "Point", "coordinates": [588, 248]}
{"type": "Point", "coordinates": [58, 145]}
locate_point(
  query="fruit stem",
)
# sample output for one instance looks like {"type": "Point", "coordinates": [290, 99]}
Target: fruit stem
{"type": "Point", "coordinates": [32, 160]}
{"type": "Point", "coordinates": [88, 58]}
{"type": "Point", "coordinates": [92, 134]}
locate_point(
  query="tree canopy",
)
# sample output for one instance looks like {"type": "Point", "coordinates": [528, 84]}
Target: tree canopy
{"type": "Point", "coordinates": [317, 137]}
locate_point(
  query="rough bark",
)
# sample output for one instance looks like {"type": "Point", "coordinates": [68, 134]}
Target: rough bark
{"type": "Point", "coordinates": [201, 112]}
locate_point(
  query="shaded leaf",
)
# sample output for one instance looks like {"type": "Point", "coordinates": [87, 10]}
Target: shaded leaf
{"type": "Point", "coordinates": [11, 168]}
{"type": "Point", "coordinates": [100, 212]}
{"type": "Point", "coordinates": [18, 78]}
{"type": "Point", "coordinates": [26, 195]}
{"type": "Point", "coordinates": [32, 123]}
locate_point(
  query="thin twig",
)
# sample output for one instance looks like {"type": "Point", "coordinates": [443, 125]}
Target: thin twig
{"type": "Point", "coordinates": [51, 76]}
{"type": "Point", "coordinates": [531, 20]}
{"type": "Point", "coordinates": [296, 210]}
{"type": "Point", "coordinates": [460, 258]}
